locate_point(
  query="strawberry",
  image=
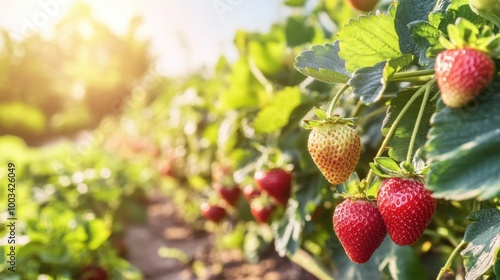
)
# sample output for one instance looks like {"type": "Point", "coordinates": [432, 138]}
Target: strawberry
{"type": "Point", "coordinates": [363, 5]}
{"type": "Point", "coordinates": [360, 228]}
{"type": "Point", "coordinates": [462, 74]}
{"type": "Point", "coordinates": [93, 272]}
{"type": "Point", "coordinates": [335, 148]}
{"type": "Point", "coordinates": [262, 213]}
{"type": "Point", "coordinates": [276, 182]}
{"type": "Point", "coordinates": [166, 169]}
{"type": "Point", "coordinates": [229, 194]}
{"type": "Point", "coordinates": [212, 213]}
{"type": "Point", "coordinates": [406, 207]}
{"type": "Point", "coordinates": [250, 192]}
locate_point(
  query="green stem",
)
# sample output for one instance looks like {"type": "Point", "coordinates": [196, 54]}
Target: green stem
{"type": "Point", "coordinates": [310, 264]}
{"type": "Point", "coordinates": [370, 116]}
{"type": "Point", "coordinates": [335, 100]}
{"type": "Point", "coordinates": [411, 74]}
{"type": "Point", "coordinates": [394, 126]}
{"type": "Point", "coordinates": [447, 265]}
{"type": "Point", "coordinates": [418, 120]}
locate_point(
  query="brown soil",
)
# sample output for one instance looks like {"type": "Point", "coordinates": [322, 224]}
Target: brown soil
{"type": "Point", "coordinates": [164, 228]}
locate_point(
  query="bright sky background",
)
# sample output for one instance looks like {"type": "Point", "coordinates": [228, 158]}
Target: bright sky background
{"type": "Point", "coordinates": [185, 34]}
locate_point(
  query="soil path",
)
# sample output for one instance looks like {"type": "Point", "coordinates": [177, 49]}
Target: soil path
{"type": "Point", "coordinates": [165, 228]}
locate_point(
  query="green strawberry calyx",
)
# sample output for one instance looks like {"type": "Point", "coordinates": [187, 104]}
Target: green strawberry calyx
{"type": "Point", "coordinates": [354, 188]}
{"type": "Point", "coordinates": [464, 34]}
{"type": "Point", "coordinates": [324, 118]}
{"type": "Point", "coordinates": [385, 167]}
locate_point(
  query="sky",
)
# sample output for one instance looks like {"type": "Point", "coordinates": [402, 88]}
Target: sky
{"type": "Point", "coordinates": [185, 34]}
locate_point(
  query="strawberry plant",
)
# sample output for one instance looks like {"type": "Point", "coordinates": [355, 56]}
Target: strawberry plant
{"type": "Point", "coordinates": [379, 146]}
{"type": "Point", "coordinates": [367, 146]}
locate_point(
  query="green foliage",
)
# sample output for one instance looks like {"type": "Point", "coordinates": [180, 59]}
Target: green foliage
{"type": "Point", "coordinates": [463, 161]}
{"type": "Point", "coordinates": [323, 63]}
{"type": "Point", "coordinates": [246, 115]}
{"type": "Point", "coordinates": [483, 236]}
{"type": "Point", "coordinates": [408, 12]}
{"type": "Point", "coordinates": [369, 40]}
{"type": "Point", "coordinates": [388, 262]}
{"type": "Point", "coordinates": [277, 114]}
{"type": "Point", "coordinates": [399, 142]}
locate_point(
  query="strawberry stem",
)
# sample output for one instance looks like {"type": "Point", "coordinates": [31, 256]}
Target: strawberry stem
{"type": "Point", "coordinates": [314, 267]}
{"type": "Point", "coordinates": [335, 100]}
{"type": "Point", "coordinates": [447, 265]}
{"type": "Point", "coordinates": [411, 74]}
{"type": "Point", "coordinates": [395, 124]}
{"type": "Point", "coordinates": [419, 118]}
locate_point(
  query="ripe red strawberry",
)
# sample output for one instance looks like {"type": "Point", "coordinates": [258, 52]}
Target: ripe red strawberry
{"type": "Point", "coordinates": [212, 213]}
{"type": "Point", "coordinates": [363, 5]}
{"type": "Point", "coordinates": [276, 182]}
{"type": "Point", "coordinates": [335, 148]}
{"type": "Point", "coordinates": [93, 272]}
{"type": "Point", "coordinates": [262, 213]}
{"type": "Point", "coordinates": [250, 192]}
{"type": "Point", "coordinates": [166, 169]}
{"type": "Point", "coordinates": [462, 74]}
{"type": "Point", "coordinates": [406, 207]}
{"type": "Point", "coordinates": [229, 194]}
{"type": "Point", "coordinates": [359, 227]}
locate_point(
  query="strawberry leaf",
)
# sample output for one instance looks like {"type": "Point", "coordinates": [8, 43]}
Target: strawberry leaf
{"type": "Point", "coordinates": [298, 31]}
{"type": "Point", "coordinates": [484, 242]}
{"type": "Point", "coordinates": [399, 142]}
{"type": "Point", "coordinates": [409, 11]}
{"type": "Point", "coordinates": [277, 114]}
{"type": "Point", "coordinates": [464, 149]}
{"type": "Point", "coordinates": [369, 40]}
{"type": "Point", "coordinates": [323, 63]}
{"type": "Point", "coordinates": [425, 36]}
{"type": "Point", "coordinates": [369, 83]}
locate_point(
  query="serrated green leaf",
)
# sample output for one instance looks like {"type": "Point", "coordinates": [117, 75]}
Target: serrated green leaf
{"type": "Point", "coordinates": [368, 84]}
{"type": "Point", "coordinates": [368, 41]}
{"type": "Point", "coordinates": [277, 114]}
{"type": "Point", "coordinates": [323, 63]}
{"type": "Point", "coordinates": [424, 35]}
{"type": "Point", "coordinates": [298, 31]}
{"type": "Point", "coordinates": [409, 11]}
{"type": "Point", "coordinates": [399, 142]}
{"type": "Point", "coordinates": [389, 261]}
{"type": "Point", "coordinates": [484, 241]}
{"type": "Point", "coordinates": [464, 149]}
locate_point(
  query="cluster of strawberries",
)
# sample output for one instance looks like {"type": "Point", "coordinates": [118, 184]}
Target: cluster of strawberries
{"type": "Point", "coordinates": [275, 183]}
{"type": "Point", "coordinates": [403, 206]}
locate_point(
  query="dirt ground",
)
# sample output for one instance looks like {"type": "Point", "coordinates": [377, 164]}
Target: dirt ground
{"type": "Point", "coordinates": [164, 228]}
